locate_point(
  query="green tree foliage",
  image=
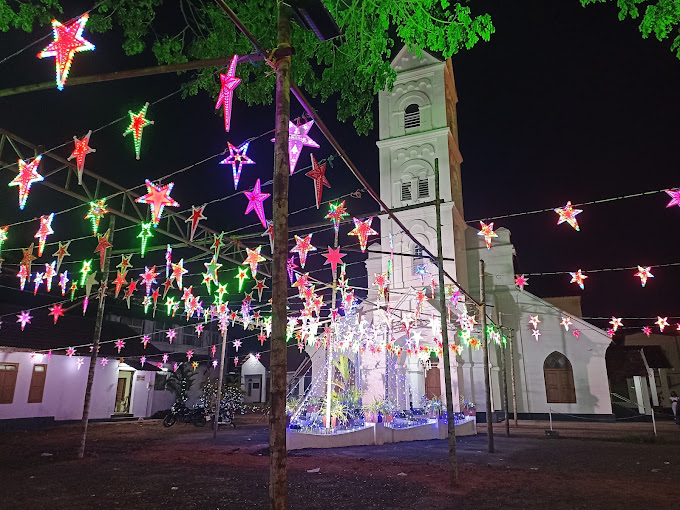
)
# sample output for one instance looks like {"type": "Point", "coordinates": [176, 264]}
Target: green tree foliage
{"type": "Point", "coordinates": [180, 382]}
{"type": "Point", "coordinates": [661, 18]}
{"type": "Point", "coordinates": [350, 69]}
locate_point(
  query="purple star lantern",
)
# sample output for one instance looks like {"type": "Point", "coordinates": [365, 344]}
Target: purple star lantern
{"type": "Point", "coordinates": [298, 138]}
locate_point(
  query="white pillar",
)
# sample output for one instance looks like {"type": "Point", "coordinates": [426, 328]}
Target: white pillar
{"type": "Point", "coordinates": [652, 386]}
{"type": "Point", "coordinates": [642, 394]}
{"type": "Point", "coordinates": [665, 390]}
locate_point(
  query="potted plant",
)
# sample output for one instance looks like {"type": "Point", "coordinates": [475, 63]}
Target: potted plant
{"type": "Point", "coordinates": [388, 410]}
{"type": "Point", "coordinates": [467, 406]}
{"type": "Point", "coordinates": [292, 404]}
{"type": "Point", "coordinates": [435, 407]}
{"type": "Point", "coordinates": [339, 413]}
{"type": "Point", "coordinates": [372, 411]}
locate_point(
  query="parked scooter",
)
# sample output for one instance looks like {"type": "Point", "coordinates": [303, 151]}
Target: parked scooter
{"type": "Point", "coordinates": [180, 412]}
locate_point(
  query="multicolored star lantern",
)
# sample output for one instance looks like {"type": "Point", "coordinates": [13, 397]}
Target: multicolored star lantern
{"type": "Point", "coordinates": [362, 229]}
{"type": "Point", "coordinates": [229, 83]}
{"type": "Point", "coordinates": [302, 247]}
{"type": "Point", "coordinates": [96, 213]}
{"type": "Point", "coordinates": [149, 278]}
{"type": "Point", "coordinates": [194, 218]}
{"type": "Point", "coordinates": [521, 281]}
{"type": "Point", "coordinates": [566, 322]}
{"type": "Point", "coordinates": [144, 235]}
{"type": "Point", "coordinates": [487, 232]}
{"type": "Point", "coordinates": [318, 173]}
{"type": "Point", "coordinates": [336, 213]}
{"type": "Point", "coordinates": [157, 197]}
{"type": "Point", "coordinates": [82, 149]}
{"type": "Point", "coordinates": [675, 197]}
{"type": "Point", "coordinates": [291, 266]}
{"type": "Point", "coordinates": [24, 318]}
{"type": "Point", "coordinates": [644, 273]}
{"type": "Point", "coordinates": [50, 273]}
{"type": "Point", "coordinates": [63, 282]}
{"type": "Point", "coordinates": [138, 122]}
{"type": "Point", "coordinates": [578, 278]}
{"type": "Point", "coordinates": [27, 176]}
{"type": "Point", "coordinates": [237, 158]}
{"type": "Point", "coordinates": [333, 257]}
{"type": "Point", "coordinates": [253, 259]}
{"type": "Point", "coordinates": [178, 272]}
{"type": "Point", "coordinates": [103, 244]}
{"type": "Point", "coordinates": [616, 323]}
{"type": "Point", "coordinates": [67, 41]}
{"type": "Point", "coordinates": [662, 322]}
{"type": "Point", "coordinates": [568, 214]}
{"type": "Point", "coordinates": [255, 200]}
{"type": "Point", "coordinates": [534, 321]}
{"type": "Point", "coordinates": [44, 231]}
{"type": "Point", "coordinates": [27, 258]}
{"type": "Point", "coordinates": [297, 139]}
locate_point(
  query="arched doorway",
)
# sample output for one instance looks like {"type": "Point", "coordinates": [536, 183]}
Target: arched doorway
{"type": "Point", "coordinates": [559, 379]}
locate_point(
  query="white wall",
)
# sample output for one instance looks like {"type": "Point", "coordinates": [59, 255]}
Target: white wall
{"type": "Point", "coordinates": [253, 366]}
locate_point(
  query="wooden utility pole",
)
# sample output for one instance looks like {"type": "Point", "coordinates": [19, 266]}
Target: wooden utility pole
{"type": "Point", "coordinates": [95, 340]}
{"type": "Point", "coordinates": [504, 375]}
{"type": "Point", "coordinates": [453, 459]}
{"type": "Point", "coordinates": [512, 374]}
{"type": "Point", "coordinates": [278, 486]}
{"type": "Point", "coordinates": [218, 398]}
{"type": "Point", "coordinates": [485, 351]}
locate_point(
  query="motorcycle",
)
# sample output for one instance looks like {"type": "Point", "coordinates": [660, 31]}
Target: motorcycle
{"type": "Point", "coordinates": [179, 412]}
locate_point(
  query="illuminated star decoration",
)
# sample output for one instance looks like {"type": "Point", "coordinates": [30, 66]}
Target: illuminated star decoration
{"type": "Point", "coordinates": [129, 291]}
{"type": "Point", "coordinates": [237, 158]}
{"type": "Point", "coordinates": [61, 253]}
{"type": "Point", "coordinates": [336, 213]}
{"type": "Point", "coordinates": [82, 149]}
{"type": "Point", "coordinates": [521, 281]}
{"type": "Point", "coordinates": [488, 233]}
{"type": "Point", "coordinates": [270, 233]}
{"type": "Point", "coordinates": [534, 320]}
{"type": "Point", "coordinates": [171, 334]}
{"type": "Point", "coordinates": [119, 345]}
{"type": "Point", "coordinates": [177, 272]}
{"type": "Point", "coordinates": [229, 83]}
{"type": "Point", "coordinates": [647, 330]}
{"type": "Point", "coordinates": [536, 334]}
{"type": "Point", "coordinates": [302, 247]}
{"type": "Point", "coordinates": [138, 122]}
{"type": "Point", "coordinates": [662, 322]}
{"type": "Point", "coordinates": [675, 197]}
{"type": "Point", "coordinates": [38, 280]}
{"type": "Point", "coordinates": [80, 362]}
{"type": "Point", "coordinates": [144, 235]}
{"type": "Point", "coordinates": [194, 218]}
{"type": "Point", "coordinates": [578, 278]}
{"type": "Point", "coordinates": [166, 356]}
{"type": "Point", "coordinates": [190, 354]}
{"type": "Point", "coordinates": [104, 361]}
{"type": "Point", "coordinates": [102, 245]}
{"type": "Point", "coordinates": [42, 233]}
{"type": "Point", "coordinates": [242, 276]}
{"type": "Point", "coordinates": [67, 41]}
{"type": "Point", "coordinates": [50, 273]}
{"type": "Point", "coordinates": [96, 213]}
{"type": "Point", "coordinates": [298, 138]}
{"type": "Point", "coordinates": [318, 173]}
{"type": "Point", "coordinates": [217, 243]}
{"type": "Point", "coordinates": [85, 270]}
{"type": "Point", "coordinates": [644, 273]}
{"type": "Point", "coordinates": [566, 322]}
{"type": "Point", "coordinates": [70, 351]}
{"type": "Point", "coordinates": [260, 286]}
{"type": "Point", "coordinates": [24, 318]}
{"type": "Point", "coordinates": [119, 282]}
{"type": "Point", "coordinates": [145, 340]}
{"type": "Point", "coordinates": [157, 197]}
{"type": "Point", "coordinates": [125, 263]}
{"type": "Point", "coordinates": [610, 333]}
{"type": "Point", "coordinates": [363, 229]}
{"type": "Point", "coordinates": [333, 257]}
{"type": "Point", "coordinates": [253, 259]}
{"type": "Point", "coordinates": [27, 176]}
{"type": "Point", "coordinates": [568, 214]}
{"type": "Point", "coordinates": [290, 267]}
{"type": "Point", "coordinates": [63, 282]}
{"type": "Point", "coordinates": [149, 278]}
{"type": "Point", "coordinates": [255, 200]}
{"type": "Point", "coordinates": [3, 235]}
{"type": "Point", "coordinates": [616, 323]}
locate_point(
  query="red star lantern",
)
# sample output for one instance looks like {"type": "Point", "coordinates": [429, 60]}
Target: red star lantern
{"type": "Point", "coordinates": [56, 311]}
{"type": "Point", "coordinates": [138, 122]}
{"type": "Point", "coordinates": [27, 176]}
{"type": "Point", "coordinates": [44, 231]}
{"type": "Point", "coordinates": [157, 197]}
{"type": "Point", "coordinates": [363, 229]}
{"type": "Point", "coordinates": [119, 282]}
{"type": "Point", "coordinates": [302, 247]}
{"type": "Point", "coordinates": [318, 173]}
{"type": "Point", "coordinates": [82, 149]}
{"type": "Point", "coordinates": [67, 41]}
{"type": "Point", "coordinates": [229, 83]}
{"type": "Point", "coordinates": [196, 216]}
{"type": "Point", "coordinates": [521, 281]}
{"type": "Point", "coordinates": [260, 286]}
{"type": "Point", "coordinates": [647, 330]}
{"type": "Point", "coordinates": [333, 257]}
{"type": "Point", "coordinates": [568, 214]}
{"type": "Point", "coordinates": [578, 278]}
{"type": "Point", "coordinates": [488, 233]}
{"type": "Point", "coordinates": [149, 278]}
{"type": "Point", "coordinates": [255, 200]}
{"type": "Point", "coordinates": [253, 259]}
{"type": "Point", "coordinates": [101, 248]}
{"type": "Point", "coordinates": [644, 273]}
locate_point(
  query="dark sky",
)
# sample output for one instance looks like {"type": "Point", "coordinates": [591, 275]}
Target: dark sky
{"type": "Point", "coordinates": [564, 103]}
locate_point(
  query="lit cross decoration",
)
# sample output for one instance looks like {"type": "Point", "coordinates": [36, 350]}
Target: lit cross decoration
{"type": "Point", "coordinates": [138, 122]}
{"type": "Point", "coordinates": [616, 323]}
{"type": "Point", "coordinates": [363, 229]}
{"type": "Point", "coordinates": [56, 311]}
{"type": "Point", "coordinates": [255, 202]}
{"type": "Point", "coordinates": [536, 334]}
{"type": "Point", "coordinates": [82, 149]}
{"type": "Point", "coordinates": [67, 41]}
{"type": "Point", "coordinates": [44, 231]}
{"type": "Point", "coordinates": [521, 281]}
{"type": "Point", "coordinates": [565, 322]}
{"type": "Point", "coordinates": [337, 213]}
{"type": "Point", "coordinates": [237, 158]}
{"type": "Point", "coordinates": [333, 257]}
{"type": "Point", "coordinates": [24, 318]}
{"type": "Point", "coordinates": [157, 197]}
{"type": "Point", "coordinates": [27, 176]}
{"type": "Point", "coordinates": [303, 245]}
{"type": "Point", "coordinates": [568, 214]}
{"type": "Point", "coordinates": [487, 232]}
{"type": "Point", "coordinates": [534, 321]}
{"type": "Point", "coordinates": [97, 211]}
{"type": "Point", "coordinates": [675, 197]}
{"type": "Point", "coordinates": [644, 273]}
{"type": "Point", "coordinates": [647, 330]}
{"type": "Point", "coordinates": [578, 278]}
{"type": "Point", "coordinates": [253, 259]}
{"type": "Point", "coordinates": [662, 322]}
{"type": "Point", "coordinates": [318, 173]}
{"type": "Point", "coordinates": [144, 236]}
{"type": "Point", "coordinates": [297, 139]}
{"type": "Point", "coordinates": [229, 83]}
{"type": "Point", "coordinates": [194, 218]}
{"type": "Point", "coordinates": [102, 245]}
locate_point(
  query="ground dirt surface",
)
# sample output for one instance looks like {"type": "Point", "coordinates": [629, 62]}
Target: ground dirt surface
{"type": "Point", "coordinates": [134, 465]}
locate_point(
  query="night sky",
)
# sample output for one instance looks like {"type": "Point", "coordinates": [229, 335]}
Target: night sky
{"type": "Point", "coordinates": [564, 103]}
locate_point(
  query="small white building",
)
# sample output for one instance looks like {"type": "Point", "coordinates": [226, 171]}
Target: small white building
{"type": "Point", "coordinates": [255, 376]}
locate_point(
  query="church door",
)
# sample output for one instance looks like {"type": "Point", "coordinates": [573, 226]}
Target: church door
{"type": "Point", "coordinates": [433, 385]}
{"type": "Point", "coordinates": [559, 379]}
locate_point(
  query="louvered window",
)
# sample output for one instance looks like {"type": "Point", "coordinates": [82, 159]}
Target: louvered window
{"type": "Point", "coordinates": [406, 194]}
{"type": "Point", "coordinates": [412, 116]}
{"type": "Point", "coordinates": [423, 188]}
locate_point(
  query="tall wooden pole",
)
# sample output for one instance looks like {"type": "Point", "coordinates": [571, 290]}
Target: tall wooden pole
{"type": "Point", "coordinates": [485, 351]}
{"type": "Point", "coordinates": [218, 398]}
{"type": "Point", "coordinates": [512, 374]}
{"type": "Point", "coordinates": [277, 419]}
{"type": "Point", "coordinates": [504, 375]}
{"type": "Point", "coordinates": [453, 459]}
{"type": "Point", "coordinates": [96, 336]}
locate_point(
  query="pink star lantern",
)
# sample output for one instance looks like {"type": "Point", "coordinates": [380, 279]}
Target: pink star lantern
{"type": "Point", "coordinates": [521, 281]}
{"type": "Point", "coordinates": [237, 344]}
{"type": "Point", "coordinates": [566, 322]}
{"type": "Point", "coordinates": [63, 282]}
{"type": "Point", "coordinates": [102, 246]}
{"type": "Point", "coordinates": [297, 139]}
{"type": "Point", "coordinates": [255, 202]}
{"type": "Point", "coordinates": [82, 149]}
{"type": "Point", "coordinates": [644, 273]}
{"type": "Point", "coordinates": [568, 214]}
{"type": "Point", "coordinates": [166, 356]}
{"type": "Point", "coordinates": [536, 334]}
{"type": "Point", "coordinates": [253, 259]}
{"type": "Point", "coordinates": [237, 158]}
{"type": "Point", "coordinates": [229, 83]}
{"type": "Point", "coordinates": [610, 333]}
{"type": "Point", "coordinates": [190, 354]}
{"type": "Point", "coordinates": [577, 333]}
{"type": "Point", "coordinates": [149, 278]}
{"type": "Point", "coordinates": [56, 311]}
{"type": "Point", "coordinates": [675, 197]}
{"type": "Point", "coordinates": [616, 323]}
{"type": "Point", "coordinates": [171, 334]}
{"type": "Point", "coordinates": [235, 361]}
{"type": "Point", "coordinates": [318, 173]}
{"type": "Point", "coordinates": [145, 340]}
{"type": "Point", "coordinates": [142, 360]}
{"type": "Point", "coordinates": [363, 229]}
{"type": "Point", "coordinates": [157, 197]}
{"type": "Point", "coordinates": [38, 280]}
{"type": "Point", "coordinates": [70, 351]}
{"type": "Point", "coordinates": [647, 330]}
{"type": "Point", "coordinates": [194, 218]}
{"type": "Point", "coordinates": [119, 345]}
{"type": "Point", "coordinates": [104, 361]}
{"type": "Point", "coordinates": [27, 176]}
{"type": "Point", "coordinates": [662, 322]}
{"type": "Point", "coordinates": [214, 364]}
{"type": "Point", "coordinates": [67, 41]}
{"type": "Point", "coordinates": [44, 231]}
{"type": "Point", "coordinates": [488, 233]}
{"type": "Point", "coordinates": [24, 318]}
{"type": "Point", "coordinates": [290, 267]}
{"type": "Point", "coordinates": [578, 278]}
{"type": "Point", "coordinates": [303, 245]}
{"type": "Point", "coordinates": [333, 257]}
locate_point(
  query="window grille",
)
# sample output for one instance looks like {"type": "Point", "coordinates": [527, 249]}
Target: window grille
{"type": "Point", "coordinates": [406, 194]}
{"type": "Point", "coordinates": [412, 116]}
{"type": "Point", "coordinates": [423, 188]}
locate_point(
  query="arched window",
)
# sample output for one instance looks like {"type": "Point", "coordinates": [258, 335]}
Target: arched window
{"type": "Point", "coordinates": [412, 116]}
{"type": "Point", "coordinates": [559, 379]}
